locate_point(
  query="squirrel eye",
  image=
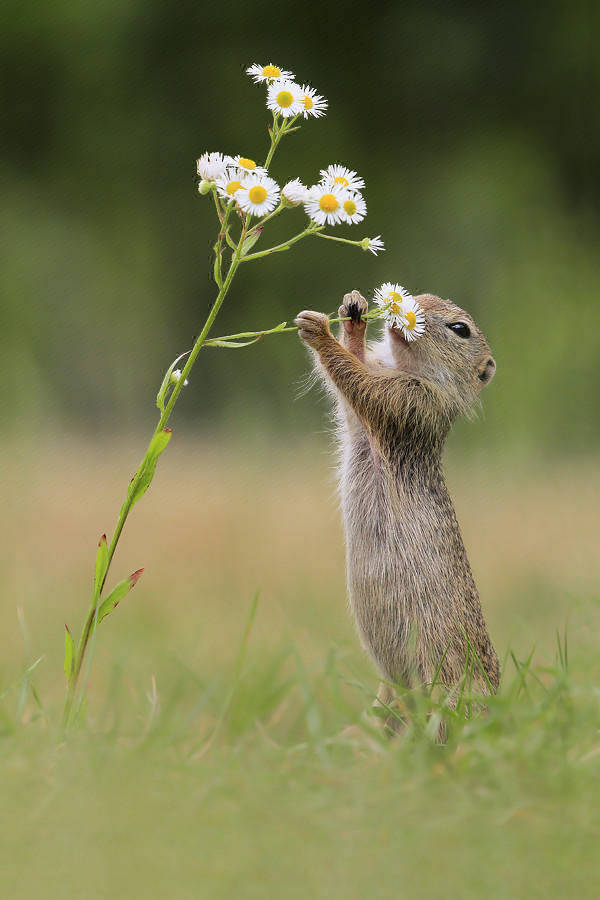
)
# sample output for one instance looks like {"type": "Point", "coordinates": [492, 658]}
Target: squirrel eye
{"type": "Point", "coordinates": [460, 329]}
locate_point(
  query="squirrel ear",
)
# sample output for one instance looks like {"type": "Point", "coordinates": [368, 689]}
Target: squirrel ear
{"type": "Point", "coordinates": [487, 370]}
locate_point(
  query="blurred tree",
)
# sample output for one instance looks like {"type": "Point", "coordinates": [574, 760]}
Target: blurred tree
{"type": "Point", "coordinates": [475, 127]}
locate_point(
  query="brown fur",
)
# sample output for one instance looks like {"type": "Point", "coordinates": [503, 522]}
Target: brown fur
{"type": "Point", "coordinates": [410, 584]}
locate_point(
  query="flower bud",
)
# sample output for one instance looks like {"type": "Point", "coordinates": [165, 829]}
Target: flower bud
{"type": "Point", "coordinates": [175, 377]}
{"type": "Point", "coordinates": [205, 187]}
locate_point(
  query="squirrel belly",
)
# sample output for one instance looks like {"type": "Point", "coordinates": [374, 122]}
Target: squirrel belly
{"type": "Point", "coordinates": [410, 584]}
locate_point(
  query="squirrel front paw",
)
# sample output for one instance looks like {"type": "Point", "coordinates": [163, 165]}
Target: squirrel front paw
{"type": "Point", "coordinates": [313, 328]}
{"type": "Point", "coordinates": [355, 306]}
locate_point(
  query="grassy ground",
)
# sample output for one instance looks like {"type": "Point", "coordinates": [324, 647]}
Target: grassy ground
{"type": "Point", "coordinates": [229, 758]}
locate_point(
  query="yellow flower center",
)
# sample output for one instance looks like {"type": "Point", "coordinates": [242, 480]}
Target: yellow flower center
{"type": "Point", "coordinates": [284, 99]}
{"type": "Point", "coordinates": [329, 203]}
{"type": "Point", "coordinates": [411, 320]}
{"type": "Point", "coordinates": [271, 72]}
{"type": "Point", "coordinates": [257, 194]}
{"type": "Point", "coordinates": [233, 186]}
{"type": "Point", "coordinates": [395, 300]}
{"type": "Point", "coordinates": [339, 179]}
{"type": "Point", "coordinates": [246, 163]}
{"type": "Point", "coordinates": [308, 104]}
{"type": "Point", "coordinates": [350, 207]}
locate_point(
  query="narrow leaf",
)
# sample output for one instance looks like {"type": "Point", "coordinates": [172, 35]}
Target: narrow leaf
{"type": "Point", "coordinates": [250, 241]}
{"type": "Point", "coordinates": [117, 594]}
{"type": "Point", "coordinates": [69, 654]}
{"type": "Point", "coordinates": [232, 345]}
{"type": "Point", "coordinates": [143, 477]}
{"type": "Point", "coordinates": [101, 566]}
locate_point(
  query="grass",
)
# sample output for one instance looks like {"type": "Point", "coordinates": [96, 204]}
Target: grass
{"type": "Point", "coordinates": [230, 748]}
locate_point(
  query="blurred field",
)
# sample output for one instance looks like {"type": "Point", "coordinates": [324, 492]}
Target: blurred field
{"type": "Point", "coordinates": [282, 804]}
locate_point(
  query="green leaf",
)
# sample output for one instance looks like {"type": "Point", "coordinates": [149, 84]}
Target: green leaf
{"type": "Point", "coordinates": [69, 654]}
{"type": "Point", "coordinates": [143, 477]}
{"type": "Point", "coordinates": [164, 387]}
{"type": "Point", "coordinates": [232, 345]}
{"type": "Point", "coordinates": [101, 566]}
{"type": "Point", "coordinates": [250, 241]}
{"type": "Point", "coordinates": [117, 594]}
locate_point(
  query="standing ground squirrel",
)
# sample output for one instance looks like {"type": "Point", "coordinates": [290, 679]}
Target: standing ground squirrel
{"type": "Point", "coordinates": [410, 584]}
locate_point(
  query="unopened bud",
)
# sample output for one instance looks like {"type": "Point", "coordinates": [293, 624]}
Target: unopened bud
{"type": "Point", "coordinates": [205, 187]}
{"type": "Point", "coordinates": [176, 376]}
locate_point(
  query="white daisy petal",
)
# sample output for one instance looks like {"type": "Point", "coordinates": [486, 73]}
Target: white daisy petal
{"type": "Point", "coordinates": [212, 165]}
{"type": "Point", "coordinates": [413, 319]}
{"type": "Point", "coordinates": [294, 192]}
{"type": "Point", "coordinates": [232, 180]}
{"type": "Point", "coordinates": [342, 177]}
{"type": "Point", "coordinates": [375, 245]}
{"type": "Point", "coordinates": [392, 298]}
{"type": "Point", "coordinates": [248, 166]}
{"type": "Point", "coordinates": [285, 98]}
{"type": "Point", "coordinates": [355, 208]}
{"type": "Point", "coordinates": [267, 73]}
{"type": "Point", "coordinates": [325, 204]}
{"type": "Point", "coordinates": [258, 195]}
{"type": "Point", "coordinates": [313, 103]}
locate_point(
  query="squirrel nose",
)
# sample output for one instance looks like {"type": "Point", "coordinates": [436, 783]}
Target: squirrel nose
{"type": "Point", "coordinates": [486, 372]}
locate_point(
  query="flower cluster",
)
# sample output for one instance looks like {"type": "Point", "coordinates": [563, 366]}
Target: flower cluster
{"type": "Point", "coordinates": [284, 96]}
{"type": "Point", "coordinates": [400, 310]}
{"type": "Point", "coordinates": [239, 181]}
{"type": "Point", "coordinates": [336, 198]}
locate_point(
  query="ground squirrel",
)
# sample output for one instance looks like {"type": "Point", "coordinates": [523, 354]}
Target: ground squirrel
{"type": "Point", "coordinates": [409, 581]}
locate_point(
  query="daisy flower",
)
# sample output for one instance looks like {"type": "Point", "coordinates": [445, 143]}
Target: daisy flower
{"type": "Point", "coordinates": [355, 208]}
{"type": "Point", "coordinates": [342, 177]}
{"type": "Point", "coordinates": [230, 182]}
{"type": "Point", "coordinates": [285, 98]}
{"type": "Point", "coordinates": [294, 192]}
{"type": "Point", "coordinates": [413, 319]}
{"type": "Point", "coordinates": [258, 195]}
{"type": "Point", "coordinates": [212, 165]}
{"type": "Point", "coordinates": [267, 73]}
{"type": "Point", "coordinates": [325, 204]}
{"type": "Point", "coordinates": [314, 104]}
{"type": "Point", "coordinates": [375, 245]}
{"type": "Point", "coordinates": [394, 299]}
{"type": "Point", "coordinates": [248, 165]}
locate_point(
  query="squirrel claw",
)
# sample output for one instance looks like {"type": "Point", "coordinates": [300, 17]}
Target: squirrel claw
{"type": "Point", "coordinates": [354, 306]}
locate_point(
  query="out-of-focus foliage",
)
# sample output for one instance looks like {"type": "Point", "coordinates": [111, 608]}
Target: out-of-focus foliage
{"type": "Point", "coordinates": [475, 127]}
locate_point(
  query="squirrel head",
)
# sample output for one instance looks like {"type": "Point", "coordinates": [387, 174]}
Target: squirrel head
{"type": "Point", "coordinates": [452, 355]}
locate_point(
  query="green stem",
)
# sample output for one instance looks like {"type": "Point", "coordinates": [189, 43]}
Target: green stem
{"type": "Point", "coordinates": [275, 138]}
{"type": "Point", "coordinates": [266, 218]}
{"type": "Point", "coordinates": [223, 232]}
{"type": "Point", "coordinates": [373, 314]}
{"type": "Point", "coordinates": [126, 508]}
{"type": "Point", "coordinates": [332, 237]}
{"type": "Point", "coordinates": [312, 229]}
{"type": "Point", "coordinates": [277, 133]}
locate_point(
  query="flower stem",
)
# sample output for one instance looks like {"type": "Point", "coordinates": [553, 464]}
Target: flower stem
{"type": "Point", "coordinates": [91, 620]}
{"type": "Point", "coordinates": [278, 248]}
{"type": "Point", "coordinates": [332, 237]}
{"type": "Point", "coordinates": [284, 327]}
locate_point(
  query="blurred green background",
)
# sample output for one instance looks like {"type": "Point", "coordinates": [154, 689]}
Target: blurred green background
{"type": "Point", "coordinates": [475, 127]}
